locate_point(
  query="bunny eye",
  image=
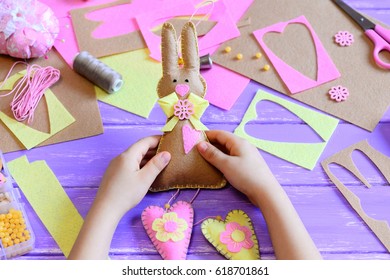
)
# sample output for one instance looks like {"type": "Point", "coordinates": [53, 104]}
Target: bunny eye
{"type": "Point", "coordinates": [174, 80]}
{"type": "Point", "coordinates": [186, 80]}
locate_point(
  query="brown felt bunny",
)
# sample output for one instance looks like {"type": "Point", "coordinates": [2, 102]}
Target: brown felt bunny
{"type": "Point", "coordinates": [181, 91]}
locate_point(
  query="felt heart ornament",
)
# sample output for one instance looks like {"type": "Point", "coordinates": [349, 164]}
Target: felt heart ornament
{"type": "Point", "coordinates": [170, 230]}
{"type": "Point", "coordinates": [191, 137]}
{"type": "Point", "coordinates": [234, 237]}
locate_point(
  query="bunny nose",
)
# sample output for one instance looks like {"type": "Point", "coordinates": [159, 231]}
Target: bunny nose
{"type": "Point", "coordinates": [182, 89]}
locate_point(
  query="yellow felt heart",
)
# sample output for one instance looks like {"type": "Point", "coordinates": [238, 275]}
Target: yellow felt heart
{"type": "Point", "coordinates": [234, 238]}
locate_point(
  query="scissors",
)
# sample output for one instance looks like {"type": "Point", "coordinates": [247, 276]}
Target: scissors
{"type": "Point", "coordinates": [379, 35]}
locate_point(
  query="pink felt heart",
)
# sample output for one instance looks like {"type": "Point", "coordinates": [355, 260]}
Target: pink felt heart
{"type": "Point", "coordinates": [190, 137]}
{"type": "Point", "coordinates": [170, 231]}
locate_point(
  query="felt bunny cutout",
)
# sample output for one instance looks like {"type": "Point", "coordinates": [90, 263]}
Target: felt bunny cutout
{"type": "Point", "coordinates": [181, 90]}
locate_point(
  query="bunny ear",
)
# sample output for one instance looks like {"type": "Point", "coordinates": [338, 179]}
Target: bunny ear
{"type": "Point", "coordinates": [168, 48]}
{"type": "Point", "coordinates": [189, 47]}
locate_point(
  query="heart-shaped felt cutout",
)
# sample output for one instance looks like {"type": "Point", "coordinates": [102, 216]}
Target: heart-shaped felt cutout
{"type": "Point", "coordinates": [191, 137]}
{"type": "Point", "coordinates": [295, 46]}
{"type": "Point", "coordinates": [265, 109]}
{"type": "Point", "coordinates": [234, 237]}
{"type": "Point", "coordinates": [170, 231]}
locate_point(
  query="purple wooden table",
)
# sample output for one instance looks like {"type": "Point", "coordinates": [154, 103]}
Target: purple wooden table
{"type": "Point", "coordinates": [335, 228]}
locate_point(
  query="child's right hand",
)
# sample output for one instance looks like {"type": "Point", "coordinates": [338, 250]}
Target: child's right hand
{"type": "Point", "coordinates": [239, 161]}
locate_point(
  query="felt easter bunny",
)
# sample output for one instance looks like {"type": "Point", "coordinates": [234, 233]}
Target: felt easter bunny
{"type": "Point", "coordinates": [181, 90]}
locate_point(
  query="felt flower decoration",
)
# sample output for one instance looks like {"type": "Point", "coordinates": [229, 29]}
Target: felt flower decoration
{"type": "Point", "coordinates": [169, 229]}
{"type": "Point", "coordinates": [27, 28]}
{"type": "Point", "coordinates": [234, 237]}
{"type": "Point", "coordinates": [338, 93]}
{"type": "Point", "coordinates": [344, 38]}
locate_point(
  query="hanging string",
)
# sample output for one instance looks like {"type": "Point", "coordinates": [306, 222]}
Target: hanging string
{"type": "Point", "coordinates": [168, 204]}
{"type": "Point", "coordinates": [218, 218]}
{"type": "Point", "coordinates": [30, 89]}
{"type": "Point", "coordinates": [202, 4]}
{"type": "Point", "coordinates": [196, 194]}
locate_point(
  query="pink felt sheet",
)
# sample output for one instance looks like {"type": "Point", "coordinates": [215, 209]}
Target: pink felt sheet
{"type": "Point", "coordinates": [293, 79]}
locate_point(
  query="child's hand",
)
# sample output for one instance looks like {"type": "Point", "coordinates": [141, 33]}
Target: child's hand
{"type": "Point", "coordinates": [239, 161]}
{"type": "Point", "coordinates": [130, 175]}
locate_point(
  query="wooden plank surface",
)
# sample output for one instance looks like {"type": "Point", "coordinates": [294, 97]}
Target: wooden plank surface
{"type": "Point", "coordinates": [335, 228]}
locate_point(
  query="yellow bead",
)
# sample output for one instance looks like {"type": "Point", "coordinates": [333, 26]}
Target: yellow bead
{"type": "Point", "coordinates": [9, 230]}
{"type": "Point", "coordinates": [10, 243]}
{"type": "Point", "coordinates": [239, 56]}
{"type": "Point", "coordinates": [258, 55]}
{"type": "Point", "coordinates": [12, 226]}
{"type": "Point", "coordinates": [21, 229]}
{"type": "Point", "coordinates": [266, 67]}
{"type": "Point", "coordinates": [2, 234]}
{"type": "Point", "coordinates": [228, 49]}
{"type": "Point", "coordinates": [167, 206]}
{"type": "Point", "coordinates": [180, 61]}
{"type": "Point", "coordinates": [19, 235]}
{"type": "Point", "coordinates": [26, 232]}
{"type": "Point", "coordinates": [13, 236]}
{"type": "Point", "coordinates": [218, 218]}
{"type": "Point", "coordinates": [2, 217]}
{"type": "Point", "coordinates": [6, 240]}
{"type": "Point", "coordinates": [22, 239]}
{"type": "Point", "coordinates": [27, 237]}
{"type": "Point", "coordinates": [16, 241]}
{"type": "Point", "coordinates": [9, 216]}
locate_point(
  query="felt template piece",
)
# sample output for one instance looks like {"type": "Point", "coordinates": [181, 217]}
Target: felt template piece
{"type": "Point", "coordinates": [140, 74]}
{"type": "Point", "coordinates": [49, 200]}
{"type": "Point", "coordinates": [302, 154]}
{"type": "Point", "coordinates": [66, 43]}
{"type": "Point", "coordinates": [295, 80]}
{"type": "Point", "coordinates": [368, 100]}
{"type": "Point", "coordinates": [171, 230]}
{"type": "Point", "coordinates": [184, 170]}
{"type": "Point", "coordinates": [225, 28]}
{"type": "Point", "coordinates": [344, 158]}
{"type": "Point", "coordinates": [234, 237]}
{"type": "Point", "coordinates": [59, 118]}
{"type": "Point", "coordinates": [74, 92]}
{"type": "Point", "coordinates": [109, 45]}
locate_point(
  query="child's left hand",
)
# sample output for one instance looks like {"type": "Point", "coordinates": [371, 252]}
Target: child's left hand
{"type": "Point", "coordinates": [129, 176]}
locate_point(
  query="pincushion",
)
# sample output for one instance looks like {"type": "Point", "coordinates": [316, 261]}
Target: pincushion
{"type": "Point", "coordinates": [27, 28]}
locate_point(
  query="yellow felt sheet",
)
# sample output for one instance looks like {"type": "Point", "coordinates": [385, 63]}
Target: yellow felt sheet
{"type": "Point", "coordinates": [302, 154]}
{"type": "Point", "coordinates": [49, 200]}
{"type": "Point", "coordinates": [59, 118]}
{"type": "Point", "coordinates": [140, 75]}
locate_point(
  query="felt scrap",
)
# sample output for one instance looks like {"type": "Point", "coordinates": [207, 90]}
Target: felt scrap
{"type": "Point", "coordinates": [234, 237]}
{"type": "Point", "coordinates": [370, 97]}
{"type": "Point", "coordinates": [49, 200]}
{"type": "Point", "coordinates": [74, 92]}
{"type": "Point", "coordinates": [140, 75]}
{"type": "Point", "coordinates": [189, 170]}
{"type": "Point", "coordinates": [295, 80]}
{"type": "Point", "coordinates": [302, 154]}
{"type": "Point", "coordinates": [59, 118]}
{"type": "Point", "coordinates": [380, 228]}
{"type": "Point", "coordinates": [170, 230]}
{"type": "Point", "coordinates": [119, 13]}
